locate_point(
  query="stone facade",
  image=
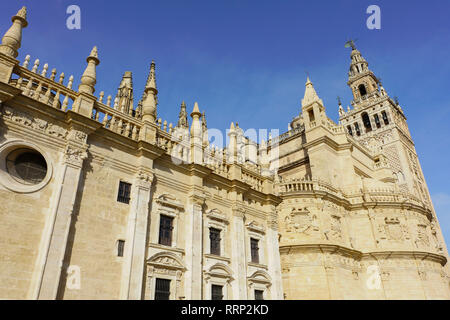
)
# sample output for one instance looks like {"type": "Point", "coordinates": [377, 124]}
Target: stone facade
{"type": "Point", "coordinates": [323, 211]}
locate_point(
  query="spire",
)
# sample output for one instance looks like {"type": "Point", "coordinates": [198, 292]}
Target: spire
{"type": "Point", "coordinates": [196, 112]}
{"type": "Point", "coordinates": [150, 100]}
{"type": "Point", "coordinates": [125, 93]}
{"type": "Point", "coordinates": [204, 127]}
{"type": "Point", "coordinates": [310, 95]}
{"type": "Point", "coordinates": [12, 40]}
{"type": "Point", "coordinates": [232, 144]}
{"type": "Point", "coordinates": [183, 117]}
{"type": "Point", "coordinates": [196, 136]}
{"type": "Point", "coordinates": [205, 131]}
{"type": "Point", "coordinates": [151, 80]}
{"type": "Point", "coordinates": [89, 77]}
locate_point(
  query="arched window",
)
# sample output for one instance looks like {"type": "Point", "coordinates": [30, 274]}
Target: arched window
{"type": "Point", "coordinates": [350, 131]}
{"type": "Point", "coordinates": [385, 118]}
{"type": "Point", "coordinates": [377, 121]}
{"type": "Point", "coordinates": [366, 122]}
{"type": "Point", "coordinates": [358, 132]}
{"type": "Point", "coordinates": [362, 90]}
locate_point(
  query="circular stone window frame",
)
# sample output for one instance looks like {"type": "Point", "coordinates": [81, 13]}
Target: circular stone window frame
{"type": "Point", "coordinates": [12, 184]}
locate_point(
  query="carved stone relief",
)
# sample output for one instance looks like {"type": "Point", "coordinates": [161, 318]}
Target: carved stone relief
{"type": "Point", "coordinates": [33, 122]}
{"type": "Point", "coordinates": [301, 221]}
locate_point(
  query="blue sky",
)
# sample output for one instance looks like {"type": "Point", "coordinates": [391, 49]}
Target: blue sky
{"type": "Point", "coordinates": [246, 61]}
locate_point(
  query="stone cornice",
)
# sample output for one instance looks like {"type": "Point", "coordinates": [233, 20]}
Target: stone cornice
{"type": "Point", "coordinates": [360, 255]}
{"type": "Point", "coordinates": [198, 170]}
{"type": "Point", "coordinates": [77, 121]}
{"type": "Point", "coordinates": [149, 150]}
{"type": "Point", "coordinates": [355, 206]}
{"type": "Point", "coordinates": [7, 92]}
{"type": "Point", "coordinates": [294, 164]}
{"type": "Point", "coordinates": [239, 186]}
{"type": "Point", "coordinates": [272, 199]}
{"type": "Point", "coordinates": [329, 142]}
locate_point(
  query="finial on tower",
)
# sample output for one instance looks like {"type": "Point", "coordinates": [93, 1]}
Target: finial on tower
{"type": "Point", "coordinates": [12, 40]}
{"type": "Point", "coordinates": [89, 77]}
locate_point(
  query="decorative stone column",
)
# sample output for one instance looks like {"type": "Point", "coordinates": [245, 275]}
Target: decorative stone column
{"type": "Point", "coordinates": [238, 252]}
{"type": "Point", "coordinates": [194, 245]}
{"type": "Point", "coordinates": [58, 224]}
{"type": "Point", "coordinates": [135, 245]}
{"type": "Point", "coordinates": [273, 255]}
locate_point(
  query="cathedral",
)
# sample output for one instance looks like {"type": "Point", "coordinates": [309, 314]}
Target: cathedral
{"type": "Point", "coordinates": [104, 200]}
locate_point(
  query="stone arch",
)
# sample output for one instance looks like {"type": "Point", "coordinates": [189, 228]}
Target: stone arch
{"type": "Point", "coordinates": [165, 265]}
{"type": "Point", "coordinates": [260, 276]}
{"type": "Point", "coordinates": [167, 260]}
{"type": "Point", "coordinates": [259, 280]}
{"type": "Point", "coordinates": [218, 274]}
{"type": "Point", "coordinates": [362, 90]}
{"type": "Point", "coordinates": [220, 269]}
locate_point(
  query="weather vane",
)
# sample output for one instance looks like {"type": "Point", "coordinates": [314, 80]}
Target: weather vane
{"type": "Point", "coordinates": [351, 43]}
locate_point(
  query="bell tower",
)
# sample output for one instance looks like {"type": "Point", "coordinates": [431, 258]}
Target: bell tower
{"type": "Point", "coordinates": [378, 122]}
{"type": "Point", "coordinates": [361, 80]}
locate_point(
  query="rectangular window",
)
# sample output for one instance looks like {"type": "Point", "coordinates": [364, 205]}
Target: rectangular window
{"type": "Point", "coordinates": [165, 230]}
{"type": "Point", "coordinates": [216, 292]}
{"type": "Point", "coordinates": [214, 238]}
{"type": "Point", "coordinates": [311, 115]}
{"type": "Point", "coordinates": [162, 289]}
{"type": "Point", "coordinates": [120, 247]}
{"type": "Point", "coordinates": [254, 250]}
{"type": "Point", "coordinates": [259, 295]}
{"type": "Point", "coordinates": [124, 192]}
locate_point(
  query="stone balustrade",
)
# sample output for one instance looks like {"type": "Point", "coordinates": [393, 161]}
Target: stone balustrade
{"type": "Point", "coordinates": [38, 86]}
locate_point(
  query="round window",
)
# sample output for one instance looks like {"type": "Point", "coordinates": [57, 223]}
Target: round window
{"type": "Point", "coordinates": [26, 166]}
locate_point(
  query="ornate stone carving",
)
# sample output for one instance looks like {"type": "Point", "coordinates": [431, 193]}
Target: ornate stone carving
{"type": "Point", "coordinates": [238, 211]}
{"type": "Point", "coordinates": [74, 155]}
{"type": "Point", "coordinates": [336, 227]}
{"type": "Point", "coordinates": [167, 261]}
{"type": "Point", "coordinates": [144, 179]}
{"type": "Point", "coordinates": [437, 242]}
{"type": "Point", "coordinates": [77, 135]}
{"type": "Point", "coordinates": [33, 122]}
{"type": "Point", "coordinates": [422, 239]}
{"type": "Point", "coordinates": [301, 221]}
{"type": "Point", "coordinates": [392, 229]}
{"type": "Point", "coordinates": [57, 131]}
